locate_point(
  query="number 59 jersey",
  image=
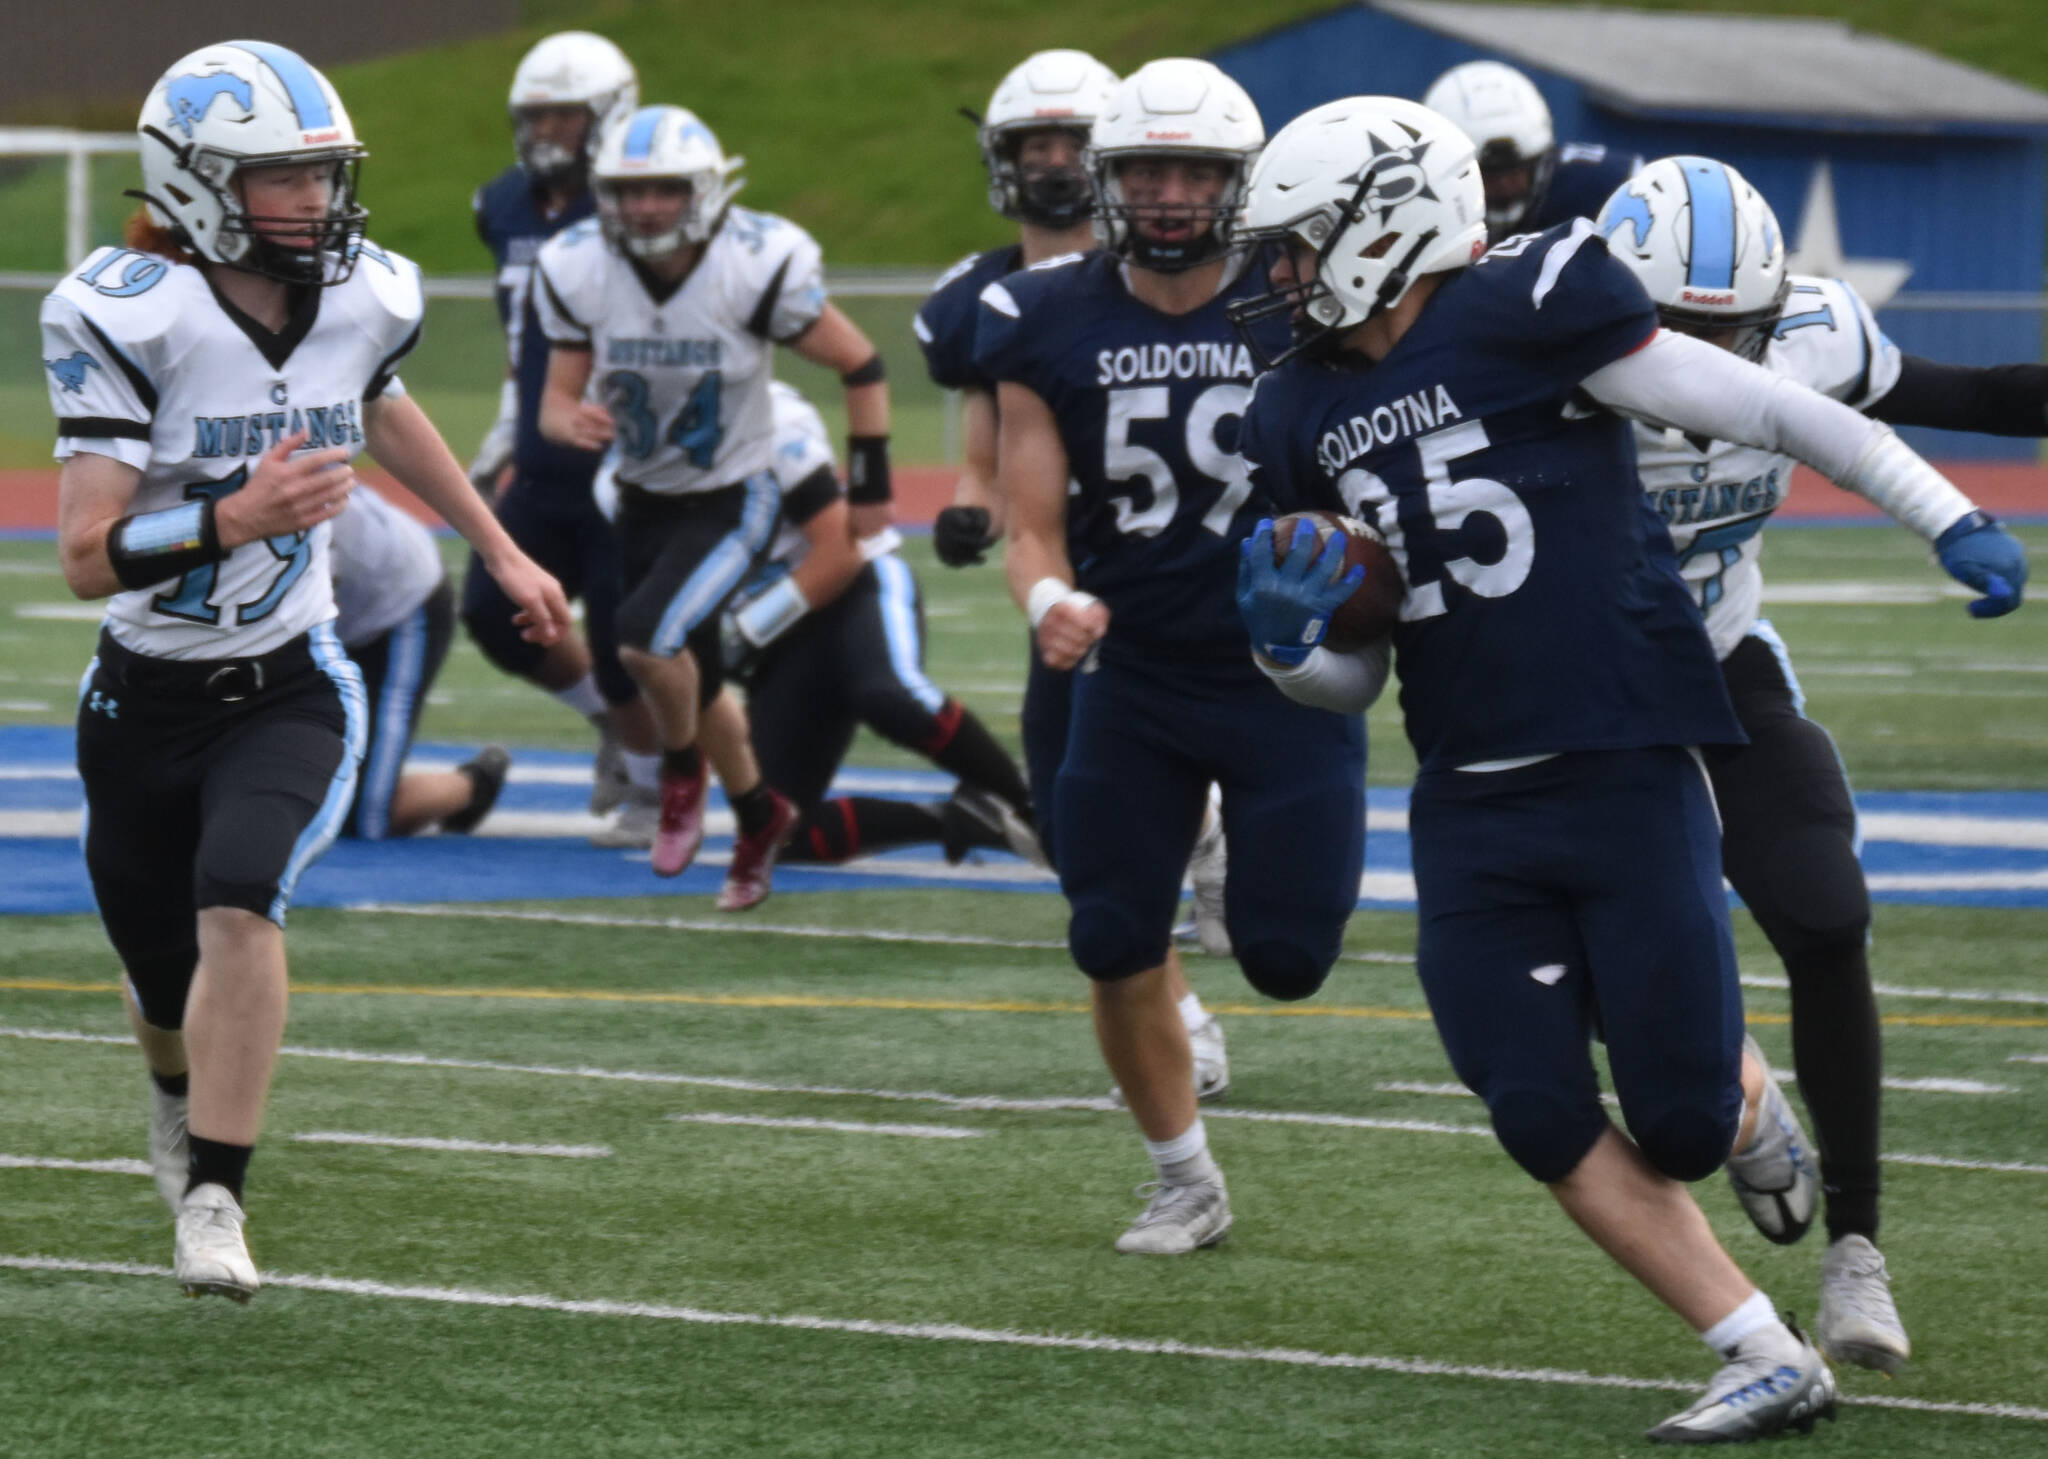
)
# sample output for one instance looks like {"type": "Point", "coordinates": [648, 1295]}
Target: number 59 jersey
{"type": "Point", "coordinates": [1147, 406]}
{"type": "Point", "coordinates": [684, 370]}
{"type": "Point", "coordinates": [1544, 611]}
{"type": "Point", "coordinates": [1715, 496]}
{"type": "Point", "coordinates": [148, 365]}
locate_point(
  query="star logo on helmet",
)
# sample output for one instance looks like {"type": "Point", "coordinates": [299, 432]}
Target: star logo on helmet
{"type": "Point", "coordinates": [1396, 177]}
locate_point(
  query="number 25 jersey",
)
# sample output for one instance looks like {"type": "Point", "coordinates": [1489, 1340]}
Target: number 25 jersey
{"type": "Point", "coordinates": [149, 365]}
{"type": "Point", "coordinates": [1544, 610]}
{"type": "Point", "coordinates": [684, 370]}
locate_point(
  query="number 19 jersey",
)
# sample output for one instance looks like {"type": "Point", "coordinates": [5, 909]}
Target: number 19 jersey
{"type": "Point", "coordinates": [684, 371]}
{"type": "Point", "coordinates": [1544, 610]}
{"type": "Point", "coordinates": [147, 364]}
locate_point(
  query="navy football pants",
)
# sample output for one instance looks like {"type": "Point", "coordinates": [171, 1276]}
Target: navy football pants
{"type": "Point", "coordinates": [1582, 895]}
{"type": "Point", "coordinates": [1142, 752]}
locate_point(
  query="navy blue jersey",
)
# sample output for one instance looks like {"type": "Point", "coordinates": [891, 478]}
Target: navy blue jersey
{"type": "Point", "coordinates": [510, 223]}
{"type": "Point", "coordinates": [1147, 405]}
{"type": "Point", "coordinates": [1585, 176]}
{"type": "Point", "coordinates": [1544, 609]}
{"type": "Point", "coordinates": [944, 324]}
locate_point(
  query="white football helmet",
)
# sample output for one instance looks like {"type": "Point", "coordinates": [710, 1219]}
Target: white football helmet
{"type": "Point", "coordinates": [1508, 121]}
{"type": "Point", "coordinates": [572, 68]}
{"type": "Point", "coordinates": [1063, 89]}
{"type": "Point", "coordinates": [1384, 191]}
{"type": "Point", "coordinates": [248, 104]}
{"type": "Point", "coordinates": [1706, 246]}
{"type": "Point", "coordinates": [1173, 108]}
{"type": "Point", "coordinates": [660, 143]}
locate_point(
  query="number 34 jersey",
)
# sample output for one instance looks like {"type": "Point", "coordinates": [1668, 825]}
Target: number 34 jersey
{"type": "Point", "coordinates": [1715, 496]}
{"type": "Point", "coordinates": [1544, 611]}
{"type": "Point", "coordinates": [1147, 406]}
{"type": "Point", "coordinates": [147, 364]}
{"type": "Point", "coordinates": [684, 371]}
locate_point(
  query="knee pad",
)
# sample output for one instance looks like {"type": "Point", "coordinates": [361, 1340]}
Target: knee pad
{"type": "Point", "coordinates": [1283, 970]}
{"type": "Point", "coordinates": [895, 714]}
{"type": "Point", "coordinates": [1544, 1134]}
{"type": "Point", "coordinates": [1686, 1144]}
{"type": "Point", "coordinates": [158, 985]}
{"type": "Point", "coordinates": [1816, 900]}
{"type": "Point", "coordinates": [1107, 944]}
{"type": "Point", "coordinates": [497, 637]}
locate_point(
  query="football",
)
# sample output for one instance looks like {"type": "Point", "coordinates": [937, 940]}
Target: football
{"type": "Point", "coordinates": [1375, 605]}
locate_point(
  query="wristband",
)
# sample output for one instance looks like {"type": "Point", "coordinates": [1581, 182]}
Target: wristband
{"type": "Point", "coordinates": [874, 372]}
{"type": "Point", "coordinates": [880, 544]}
{"type": "Point", "coordinates": [867, 470]}
{"type": "Point", "coordinates": [771, 615]}
{"type": "Point", "coordinates": [157, 546]}
{"type": "Point", "coordinates": [1049, 592]}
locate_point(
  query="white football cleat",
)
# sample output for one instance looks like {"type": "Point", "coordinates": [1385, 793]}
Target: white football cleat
{"type": "Point", "coordinates": [1763, 1389]}
{"type": "Point", "coordinates": [633, 824]}
{"type": "Point", "coordinates": [1178, 1219]}
{"type": "Point", "coordinates": [1212, 1063]}
{"type": "Point", "coordinates": [212, 1256]}
{"type": "Point", "coordinates": [1775, 1177]}
{"type": "Point", "coordinates": [1206, 872]}
{"type": "Point", "coordinates": [170, 1144]}
{"type": "Point", "coordinates": [1858, 1322]}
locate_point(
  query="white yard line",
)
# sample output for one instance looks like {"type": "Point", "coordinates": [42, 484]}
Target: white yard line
{"type": "Point", "coordinates": [960, 1102]}
{"type": "Point", "coordinates": [476, 1147]}
{"type": "Point", "coordinates": [844, 1127]}
{"type": "Point", "coordinates": [95, 1167]}
{"type": "Point", "coordinates": [986, 1336]}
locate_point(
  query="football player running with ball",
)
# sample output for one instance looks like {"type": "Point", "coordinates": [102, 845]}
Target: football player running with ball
{"type": "Point", "coordinates": [212, 381]}
{"type": "Point", "coordinates": [1557, 679]}
{"type": "Point", "coordinates": [1709, 251]}
{"type": "Point", "coordinates": [1032, 138]}
{"type": "Point", "coordinates": [1119, 372]}
{"type": "Point", "coordinates": [668, 306]}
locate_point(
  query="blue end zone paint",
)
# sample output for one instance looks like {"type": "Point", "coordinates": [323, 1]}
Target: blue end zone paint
{"type": "Point", "coordinates": [43, 874]}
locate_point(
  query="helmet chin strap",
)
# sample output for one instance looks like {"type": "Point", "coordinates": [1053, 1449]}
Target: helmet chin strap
{"type": "Point", "coordinates": [1396, 283]}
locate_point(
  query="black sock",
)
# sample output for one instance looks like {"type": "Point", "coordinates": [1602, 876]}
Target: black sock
{"type": "Point", "coordinates": [1837, 1050]}
{"type": "Point", "coordinates": [754, 810]}
{"type": "Point", "coordinates": [684, 764]}
{"type": "Point", "coordinates": [847, 826]}
{"type": "Point", "coordinates": [177, 1086]}
{"type": "Point", "coordinates": [216, 1163]}
{"type": "Point", "coordinates": [973, 754]}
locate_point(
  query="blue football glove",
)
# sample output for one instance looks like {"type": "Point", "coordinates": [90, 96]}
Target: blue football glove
{"type": "Point", "coordinates": [1286, 606]}
{"type": "Point", "coordinates": [1980, 554]}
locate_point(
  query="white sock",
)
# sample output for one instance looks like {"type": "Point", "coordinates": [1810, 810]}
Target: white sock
{"type": "Point", "coordinates": [642, 771]}
{"type": "Point", "coordinates": [1192, 1014]}
{"type": "Point", "coordinates": [1183, 1160]}
{"type": "Point", "coordinates": [1753, 1316]}
{"type": "Point", "coordinates": [583, 697]}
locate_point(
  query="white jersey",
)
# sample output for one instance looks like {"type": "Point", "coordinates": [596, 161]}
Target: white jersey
{"type": "Point", "coordinates": [802, 448]}
{"type": "Point", "coordinates": [1715, 496]}
{"type": "Point", "coordinates": [685, 377]}
{"type": "Point", "coordinates": [385, 565]}
{"type": "Point", "coordinates": [147, 366]}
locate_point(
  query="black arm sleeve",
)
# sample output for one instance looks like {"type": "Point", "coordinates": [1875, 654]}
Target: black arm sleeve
{"type": "Point", "coordinates": [1993, 400]}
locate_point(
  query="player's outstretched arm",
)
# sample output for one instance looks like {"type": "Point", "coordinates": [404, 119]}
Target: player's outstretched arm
{"type": "Point", "coordinates": [1032, 478]}
{"type": "Point", "coordinates": [406, 444]}
{"type": "Point", "coordinates": [838, 344]}
{"type": "Point", "coordinates": [1991, 400]}
{"type": "Point", "coordinates": [966, 530]}
{"type": "Point", "coordinates": [1677, 381]}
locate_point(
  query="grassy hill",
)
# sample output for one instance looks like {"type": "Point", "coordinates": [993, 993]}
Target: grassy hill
{"type": "Point", "coordinates": [847, 113]}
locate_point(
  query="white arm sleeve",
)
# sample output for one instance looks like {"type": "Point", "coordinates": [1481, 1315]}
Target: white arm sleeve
{"type": "Point", "coordinates": [1675, 380]}
{"type": "Point", "coordinates": [1346, 683]}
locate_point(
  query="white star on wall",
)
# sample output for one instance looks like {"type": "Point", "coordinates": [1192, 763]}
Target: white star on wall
{"type": "Point", "coordinates": [1820, 248]}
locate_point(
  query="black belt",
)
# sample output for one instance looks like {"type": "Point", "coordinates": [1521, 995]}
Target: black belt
{"type": "Point", "coordinates": [641, 502]}
{"type": "Point", "coordinates": [225, 681]}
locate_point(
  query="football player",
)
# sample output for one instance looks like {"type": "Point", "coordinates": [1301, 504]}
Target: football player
{"type": "Point", "coordinates": [1532, 181]}
{"type": "Point", "coordinates": [394, 613]}
{"type": "Point", "coordinates": [212, 380]}
{"type": "Point", "coordinates": [1032, 136]}
{"type": "Point", "coordinates": [668, 306]}
{"type": "Point", "coordinates": [853, 654]}
{"type": "Point", "coordinates": [1557, 681]}
{"type": "Point", "coordinates": [1711, 255]}
{"type": "Point", "coordinates": [566, 91]}
{"type": "Point", "coordinates": [1118, 372]}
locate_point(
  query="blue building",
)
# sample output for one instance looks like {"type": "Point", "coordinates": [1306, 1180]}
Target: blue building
{"type": "Point", "coordinates": [1886, 164]}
